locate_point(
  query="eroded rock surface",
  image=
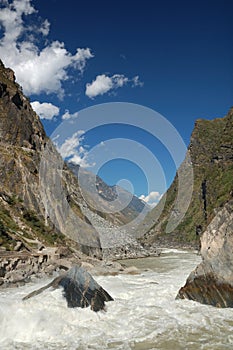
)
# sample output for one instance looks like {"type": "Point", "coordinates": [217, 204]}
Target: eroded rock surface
{"type": "Point", "coordinates": [212, 281]}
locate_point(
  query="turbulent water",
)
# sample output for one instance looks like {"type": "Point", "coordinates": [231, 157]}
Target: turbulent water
{"type": "Point", "coordinates": [144, 315]}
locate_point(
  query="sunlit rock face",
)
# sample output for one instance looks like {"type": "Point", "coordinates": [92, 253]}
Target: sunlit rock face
{"type": "Point", "coordinates": [212, 281]}
{"type": "Point", "coordinates": [31, 203]}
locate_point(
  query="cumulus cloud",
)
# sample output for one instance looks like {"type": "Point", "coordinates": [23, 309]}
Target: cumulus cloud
{"type": "Point", "coordinates": [69, 147]}
{"type": "Point", "coordinates": [152, 199]}
{"type": "Point", "coordinates": [103, 84]}
{"type": "Point", "coordinates": [72, 149]}
{"type": "Point", "coordinates": [37, 70]}
{"type": "Point", "coordinates": [67, 115]}
{"type": "Point", "coordinates": [45, 110]}
{"type": "Point", "coordinates": [99, 86]}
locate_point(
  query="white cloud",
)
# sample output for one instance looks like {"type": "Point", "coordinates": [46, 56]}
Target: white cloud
{"type": "Point", "coordinates": [36, 70]}
{"type": "Point", "coordinates": [45, 110]}
{"type": "Point", "coordinates": [72, 149]}
{"type": "Point", "coordinates": [136, 81]}
{"type": "Point", "coordinates": [45, 28]}
{"type": "Point", "coordinates": [152, 199]}
{"type": "Point", "coordinates": [69, 147]}
{"type": "Point", "coordinates": [99, 86]}
{"type": "Point", "coordinates": [103, 84]}
{"type": "Point", "coordinates": [67, 115]}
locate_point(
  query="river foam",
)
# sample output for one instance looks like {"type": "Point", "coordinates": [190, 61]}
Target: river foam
{"type": "Point", "coordinates": [143, 316]}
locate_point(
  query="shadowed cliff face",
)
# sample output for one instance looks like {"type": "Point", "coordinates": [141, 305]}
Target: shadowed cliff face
{"type": "Point", "coordinates": [19, 124]}
{"type": "Point", "coordinates": [26, 212]}
{"type": "Point", "coordinates": [211, 152]}
{"type": "Point", "coordinates": [212, 281]}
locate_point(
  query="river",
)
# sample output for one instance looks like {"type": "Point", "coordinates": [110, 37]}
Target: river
{"type": "Point", "coordinates": [143, 316]}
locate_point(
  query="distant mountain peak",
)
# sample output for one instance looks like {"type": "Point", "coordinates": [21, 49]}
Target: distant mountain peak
{"type": "Point", "coordinates": [99, 194]}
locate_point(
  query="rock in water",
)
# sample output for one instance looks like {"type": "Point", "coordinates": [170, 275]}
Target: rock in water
{"type": "Point", "coordinates": [80, 289]}
{"type": "Point", "coordinates": [212, 280]}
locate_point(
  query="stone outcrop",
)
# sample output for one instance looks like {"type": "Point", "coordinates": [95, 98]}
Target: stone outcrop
{"type": "Point", "coordinates": [79, 288]}
{"type": "Point", "coordinates": [16, 268]}
{"type": "Point", "coordinates": [211, 154]}
{"type": "Point", "coordinates": [212, 281]}
{"type": "Point", "coordinates": [19, 124]}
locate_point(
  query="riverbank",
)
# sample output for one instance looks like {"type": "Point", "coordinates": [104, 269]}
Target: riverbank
{"type": "Point", "coordinates": [18, 268]}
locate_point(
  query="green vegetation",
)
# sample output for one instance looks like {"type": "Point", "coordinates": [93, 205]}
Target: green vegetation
{"type": "Point", "coordinates": [44, 233]}
{"type": "Point", "coordinates": [5, 240]}
{"type": "Point", "coordinates": [7, 220]}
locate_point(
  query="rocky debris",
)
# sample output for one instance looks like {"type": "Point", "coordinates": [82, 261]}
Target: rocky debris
{"type": "Point", "coordinates": [79, 288]}
{"type": "Point", "coordinates": [117, 243]}
{"type": "Point", "coordinates": [130, 250]}
{"type": "Point", "coordinates": [19, 267]}
{"type": "Point", "coordinates": [212, 281]}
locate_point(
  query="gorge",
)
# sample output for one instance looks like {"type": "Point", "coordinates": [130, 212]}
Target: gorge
{"type": "Point", "coordinates": [37, 239]}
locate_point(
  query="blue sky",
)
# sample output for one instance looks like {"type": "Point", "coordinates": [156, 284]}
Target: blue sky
{"type": "Point", "coordinates": [175, 57]}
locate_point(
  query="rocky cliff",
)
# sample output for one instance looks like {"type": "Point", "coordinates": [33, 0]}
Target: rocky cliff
{"type": "Point", "coordinates": [211, 154]}
{"type": "Point", "coordinates": [45, 223]}
{"type": "Point", "coordinates": [32, 213]}
{"type": "Point", "coordinates": [212, 281]}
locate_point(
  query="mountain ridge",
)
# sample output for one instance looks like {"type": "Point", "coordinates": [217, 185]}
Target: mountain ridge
{"type": "Point", "coordinates": [211, 154]}
{"type": "Point", "coordinates": [125, 207]}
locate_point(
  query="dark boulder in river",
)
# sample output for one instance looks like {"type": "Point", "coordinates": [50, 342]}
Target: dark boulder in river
{"type": "Point", "coordinates": [212, 280]}
{"type": "Point", "coordinates": [80, 289]}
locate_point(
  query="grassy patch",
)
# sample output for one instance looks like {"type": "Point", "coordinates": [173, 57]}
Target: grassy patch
{"type": "Point", "coordinates": [44, 233]}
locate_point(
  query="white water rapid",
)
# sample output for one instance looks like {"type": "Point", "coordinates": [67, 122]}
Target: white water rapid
{"type": "Point", "coordinates": [144, 315]}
